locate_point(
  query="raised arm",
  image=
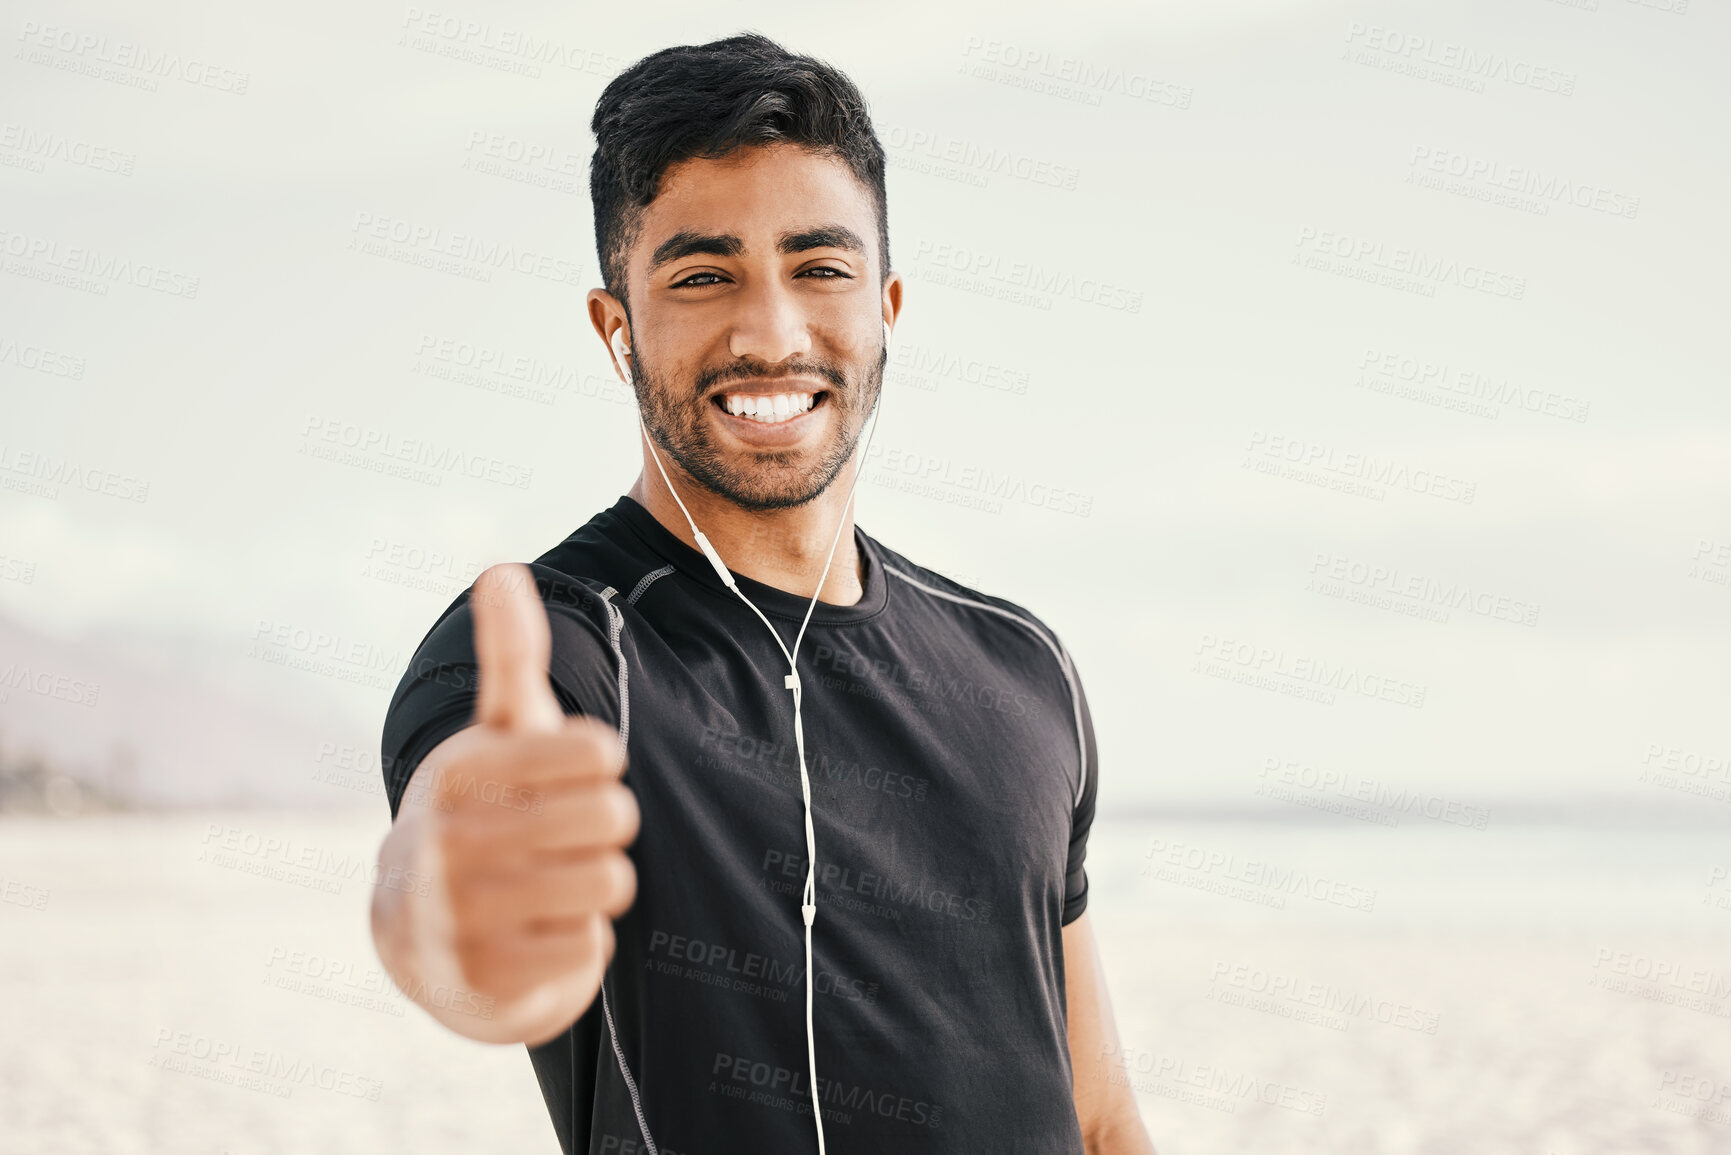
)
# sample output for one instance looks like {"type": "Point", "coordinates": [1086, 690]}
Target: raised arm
{"type": "Point", "coordinates": [498, 881]}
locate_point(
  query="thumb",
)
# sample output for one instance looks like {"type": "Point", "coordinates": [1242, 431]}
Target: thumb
{"type": "Point", "coordinates": [512, 646]}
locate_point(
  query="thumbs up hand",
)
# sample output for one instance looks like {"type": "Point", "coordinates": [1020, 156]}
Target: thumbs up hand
{"type": "Point", "coordinates": [522, 835]}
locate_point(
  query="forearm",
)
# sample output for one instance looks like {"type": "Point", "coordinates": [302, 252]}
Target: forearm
{"type": "Point", "coordinates": [1105, 1104]}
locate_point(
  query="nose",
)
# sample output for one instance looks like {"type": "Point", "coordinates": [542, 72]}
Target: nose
{"type": "Point", "coordinates": [770, 327]}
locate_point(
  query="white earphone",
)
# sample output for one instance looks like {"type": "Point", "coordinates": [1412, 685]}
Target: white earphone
{"type": "Point", "coordinates": [808, 896]}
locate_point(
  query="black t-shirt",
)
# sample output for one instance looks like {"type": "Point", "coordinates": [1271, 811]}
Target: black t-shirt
{"type": "Point", "coordinates": [952, 767]}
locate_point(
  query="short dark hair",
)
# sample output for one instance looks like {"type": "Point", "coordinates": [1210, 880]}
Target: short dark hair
{"type": "Point", "coordinates": [705, 101]}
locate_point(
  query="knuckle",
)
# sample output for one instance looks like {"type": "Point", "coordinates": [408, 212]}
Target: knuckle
{"type": "Point", "coordinates": [621, 885]}
{"type": "Point", "coordinates": [619, 814]}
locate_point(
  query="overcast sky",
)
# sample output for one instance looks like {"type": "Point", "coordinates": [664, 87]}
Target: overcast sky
{"type": "Point", "coordinates": [1346, 383]}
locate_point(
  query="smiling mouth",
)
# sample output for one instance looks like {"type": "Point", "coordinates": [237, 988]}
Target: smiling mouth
{"type": "Point", "coordinates": [769, 408]}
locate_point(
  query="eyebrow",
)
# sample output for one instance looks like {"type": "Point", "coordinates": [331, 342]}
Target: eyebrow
{"type": "Point", "coordinates": [687, 243]}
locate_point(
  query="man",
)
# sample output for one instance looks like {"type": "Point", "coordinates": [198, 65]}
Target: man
{"type": "Point", "coordinates": [608, 777]}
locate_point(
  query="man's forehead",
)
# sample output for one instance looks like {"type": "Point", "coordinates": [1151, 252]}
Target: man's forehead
{"type": "Point", "coordinates": [759, 194]}
{"type": "Point", "coordinates": [777, 161]}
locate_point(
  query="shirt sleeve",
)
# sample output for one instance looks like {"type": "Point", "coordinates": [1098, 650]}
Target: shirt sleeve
{"type": "Point", "coordinates": [436, 697]}
{"type": "Point", "coordinates": [1082, 817]}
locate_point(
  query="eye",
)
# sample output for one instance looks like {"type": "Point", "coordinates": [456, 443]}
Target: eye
{"type": "Point", "coordinates": [696, 280]}
{"type": "Point", "coordinates": [829, 273]}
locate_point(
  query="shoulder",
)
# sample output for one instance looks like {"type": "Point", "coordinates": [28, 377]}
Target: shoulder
{"type": "Point", "coordinates": [602, 555]}
{"type": "Point", "coordinates": [984, 612]}
{"type": "Point", "coordinates": [1010, 633]}
{"type": "Point", "coordinates": [575, 580]}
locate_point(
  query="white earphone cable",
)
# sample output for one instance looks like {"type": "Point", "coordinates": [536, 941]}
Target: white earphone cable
{"type": "Point", "coordinates": [808, 894]}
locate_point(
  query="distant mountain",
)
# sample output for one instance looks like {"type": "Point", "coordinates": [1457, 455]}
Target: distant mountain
{"type": "Point", "coordinates": [126, 733]}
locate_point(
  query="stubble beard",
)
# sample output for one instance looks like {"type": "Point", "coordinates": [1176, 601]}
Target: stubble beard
{"type": "Point", "coordinates": [760, 480]}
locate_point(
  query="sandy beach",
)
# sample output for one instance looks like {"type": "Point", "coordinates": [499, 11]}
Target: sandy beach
{"type": "Point", "coordinates": [205, 984]}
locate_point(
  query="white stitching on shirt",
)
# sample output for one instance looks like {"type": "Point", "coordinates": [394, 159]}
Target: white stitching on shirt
{"type": "Point", "coordinates": [615, 626]}
{"type": "Point", "coordinates": [1051, 644]}
{"type": "Point", "coordinates": [630, 1083]}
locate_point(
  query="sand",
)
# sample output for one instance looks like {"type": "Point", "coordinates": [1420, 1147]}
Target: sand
{"type": "Point", "coordinates": [188, 983]}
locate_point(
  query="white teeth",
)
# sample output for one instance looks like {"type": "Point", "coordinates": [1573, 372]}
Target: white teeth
{"type": "Point", "coordinates": [769, 410]}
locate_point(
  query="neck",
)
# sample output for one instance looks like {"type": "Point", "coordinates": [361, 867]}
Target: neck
{"type": "Point", "coordinates": [783, 548]}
